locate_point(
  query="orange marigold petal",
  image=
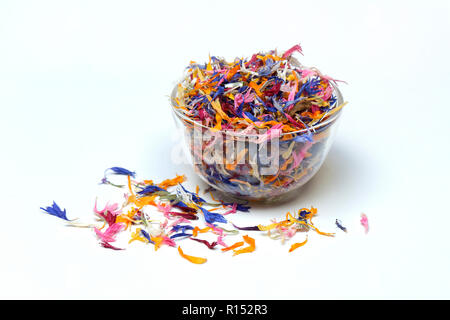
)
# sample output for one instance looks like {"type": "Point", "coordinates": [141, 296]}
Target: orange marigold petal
{"type": "Point", "coordinates": [248, 249]}
{"type": "Point", "coordinates": [196, 260]}
{"type": "Point", "coordinates": [298, 244]}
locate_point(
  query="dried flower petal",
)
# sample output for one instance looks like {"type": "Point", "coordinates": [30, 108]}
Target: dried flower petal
{"type": "Point", "coordinates": [250, 248]}
{"type": "Point", "coordinates": [121, 171]}
{"type": "Point", "coordinates": [110, 234]}
{"type": "Point", "coordinates": [233, 246]}
{"type": "Point", "coordinates": [109, 246]}
{"type": "Point", "coordinates": [196, 260]}
{"type": "Point", "coordinates": [340, 226]}
{"type": "Point", "coordinates": [56, 211]}
{"type": "Point", "coordinates": [365, 222]}
{"type": "Point", "coordinates": [206, 243]}
{"type": "Point", "coordinates": [297, 245]}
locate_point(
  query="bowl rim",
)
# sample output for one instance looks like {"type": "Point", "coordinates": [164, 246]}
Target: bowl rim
{"type": "Point", "coordinates": [333, 118]}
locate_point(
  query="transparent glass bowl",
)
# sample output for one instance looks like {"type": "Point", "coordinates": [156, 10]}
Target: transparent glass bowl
{"type": "Point", "coordinates": [250, 167]}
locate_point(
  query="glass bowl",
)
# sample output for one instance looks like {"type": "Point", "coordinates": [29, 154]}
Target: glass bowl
{"type": "Point", "coordinates": [256, 166]}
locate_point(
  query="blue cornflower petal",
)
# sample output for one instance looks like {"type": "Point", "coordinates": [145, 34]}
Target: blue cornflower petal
{"type": "Point", "coordinates": [218, 92]}
{"type": "Point", "coordinates": [250, 116]}
{"type": "Point", "coordinates": [310, 86]}
{"type": "Point", "coordinates": [146, 236]}
{"type": "Point", "coordinates": [242, 89]}
{"type": "Point", "coordinates": [212, 217]}
{"type": "Point", "coordinates": [288, 103]}
{"type": "Point", "coordinates": [333, 100]}
{"type": "Point", "coordinates": [122, 171]}
{"type": "Point", "coordinates": [303, 213]}
{"type": "Point", "coordinates": [181, 227]}
{"type": "Point", "coordinates": [307, 137]}
{"type": "Point", "coordinates": [265, 71]}
{"type": "Point", "coordinates": [150, 189]}
{"type": "Point", "coordinates": [243, 208]}
{"type": "Point", "coordinates": [340, 226]}
{"type": "Point", "coordinates": [182, 234]}
{"type": "Point", "coordinates": [56, 211]}
{"type": "Point", "coordinates": [240, 109]}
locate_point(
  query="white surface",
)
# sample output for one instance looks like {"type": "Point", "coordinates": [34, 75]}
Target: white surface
{"type": "Point", "coordinates": [81, 82]}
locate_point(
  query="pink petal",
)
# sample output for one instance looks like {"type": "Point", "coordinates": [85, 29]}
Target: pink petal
{"type": "Point", "coordinates": [168, 241]}
{"type": "Point", "coordinates": [365, 222]}
{"type": "Point", "coordinates": [298, 158]}
{"type": "Point", "coordinates": [232, 210]}
{"type": "Point", "coordinates": [292, 50]}
{"type": "Point", "coordinates": [220, 241]}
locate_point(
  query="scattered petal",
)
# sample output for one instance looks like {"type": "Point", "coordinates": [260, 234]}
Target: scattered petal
{"type": "Point", "coordinates": [250, 248]}
{"type": "Point", "coordinates": [298, 245]}
{"type": "Point", "coordinates": [340, 226]}
{"type": "Point", "coordinates": [365, 222]}
{"type": "Point", "coordinates": [56, 211]}
{"type": "Point", "coordinates": [192, 259]}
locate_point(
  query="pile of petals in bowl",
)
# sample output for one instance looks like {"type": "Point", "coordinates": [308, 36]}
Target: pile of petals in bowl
{"type": "Point", "coordinates": [267, 102]}
{"type": "Point", "coordinates": [182, 215]}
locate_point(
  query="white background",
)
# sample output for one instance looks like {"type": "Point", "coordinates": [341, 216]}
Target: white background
{"type": "Point", "coordinates": [84, 86]}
